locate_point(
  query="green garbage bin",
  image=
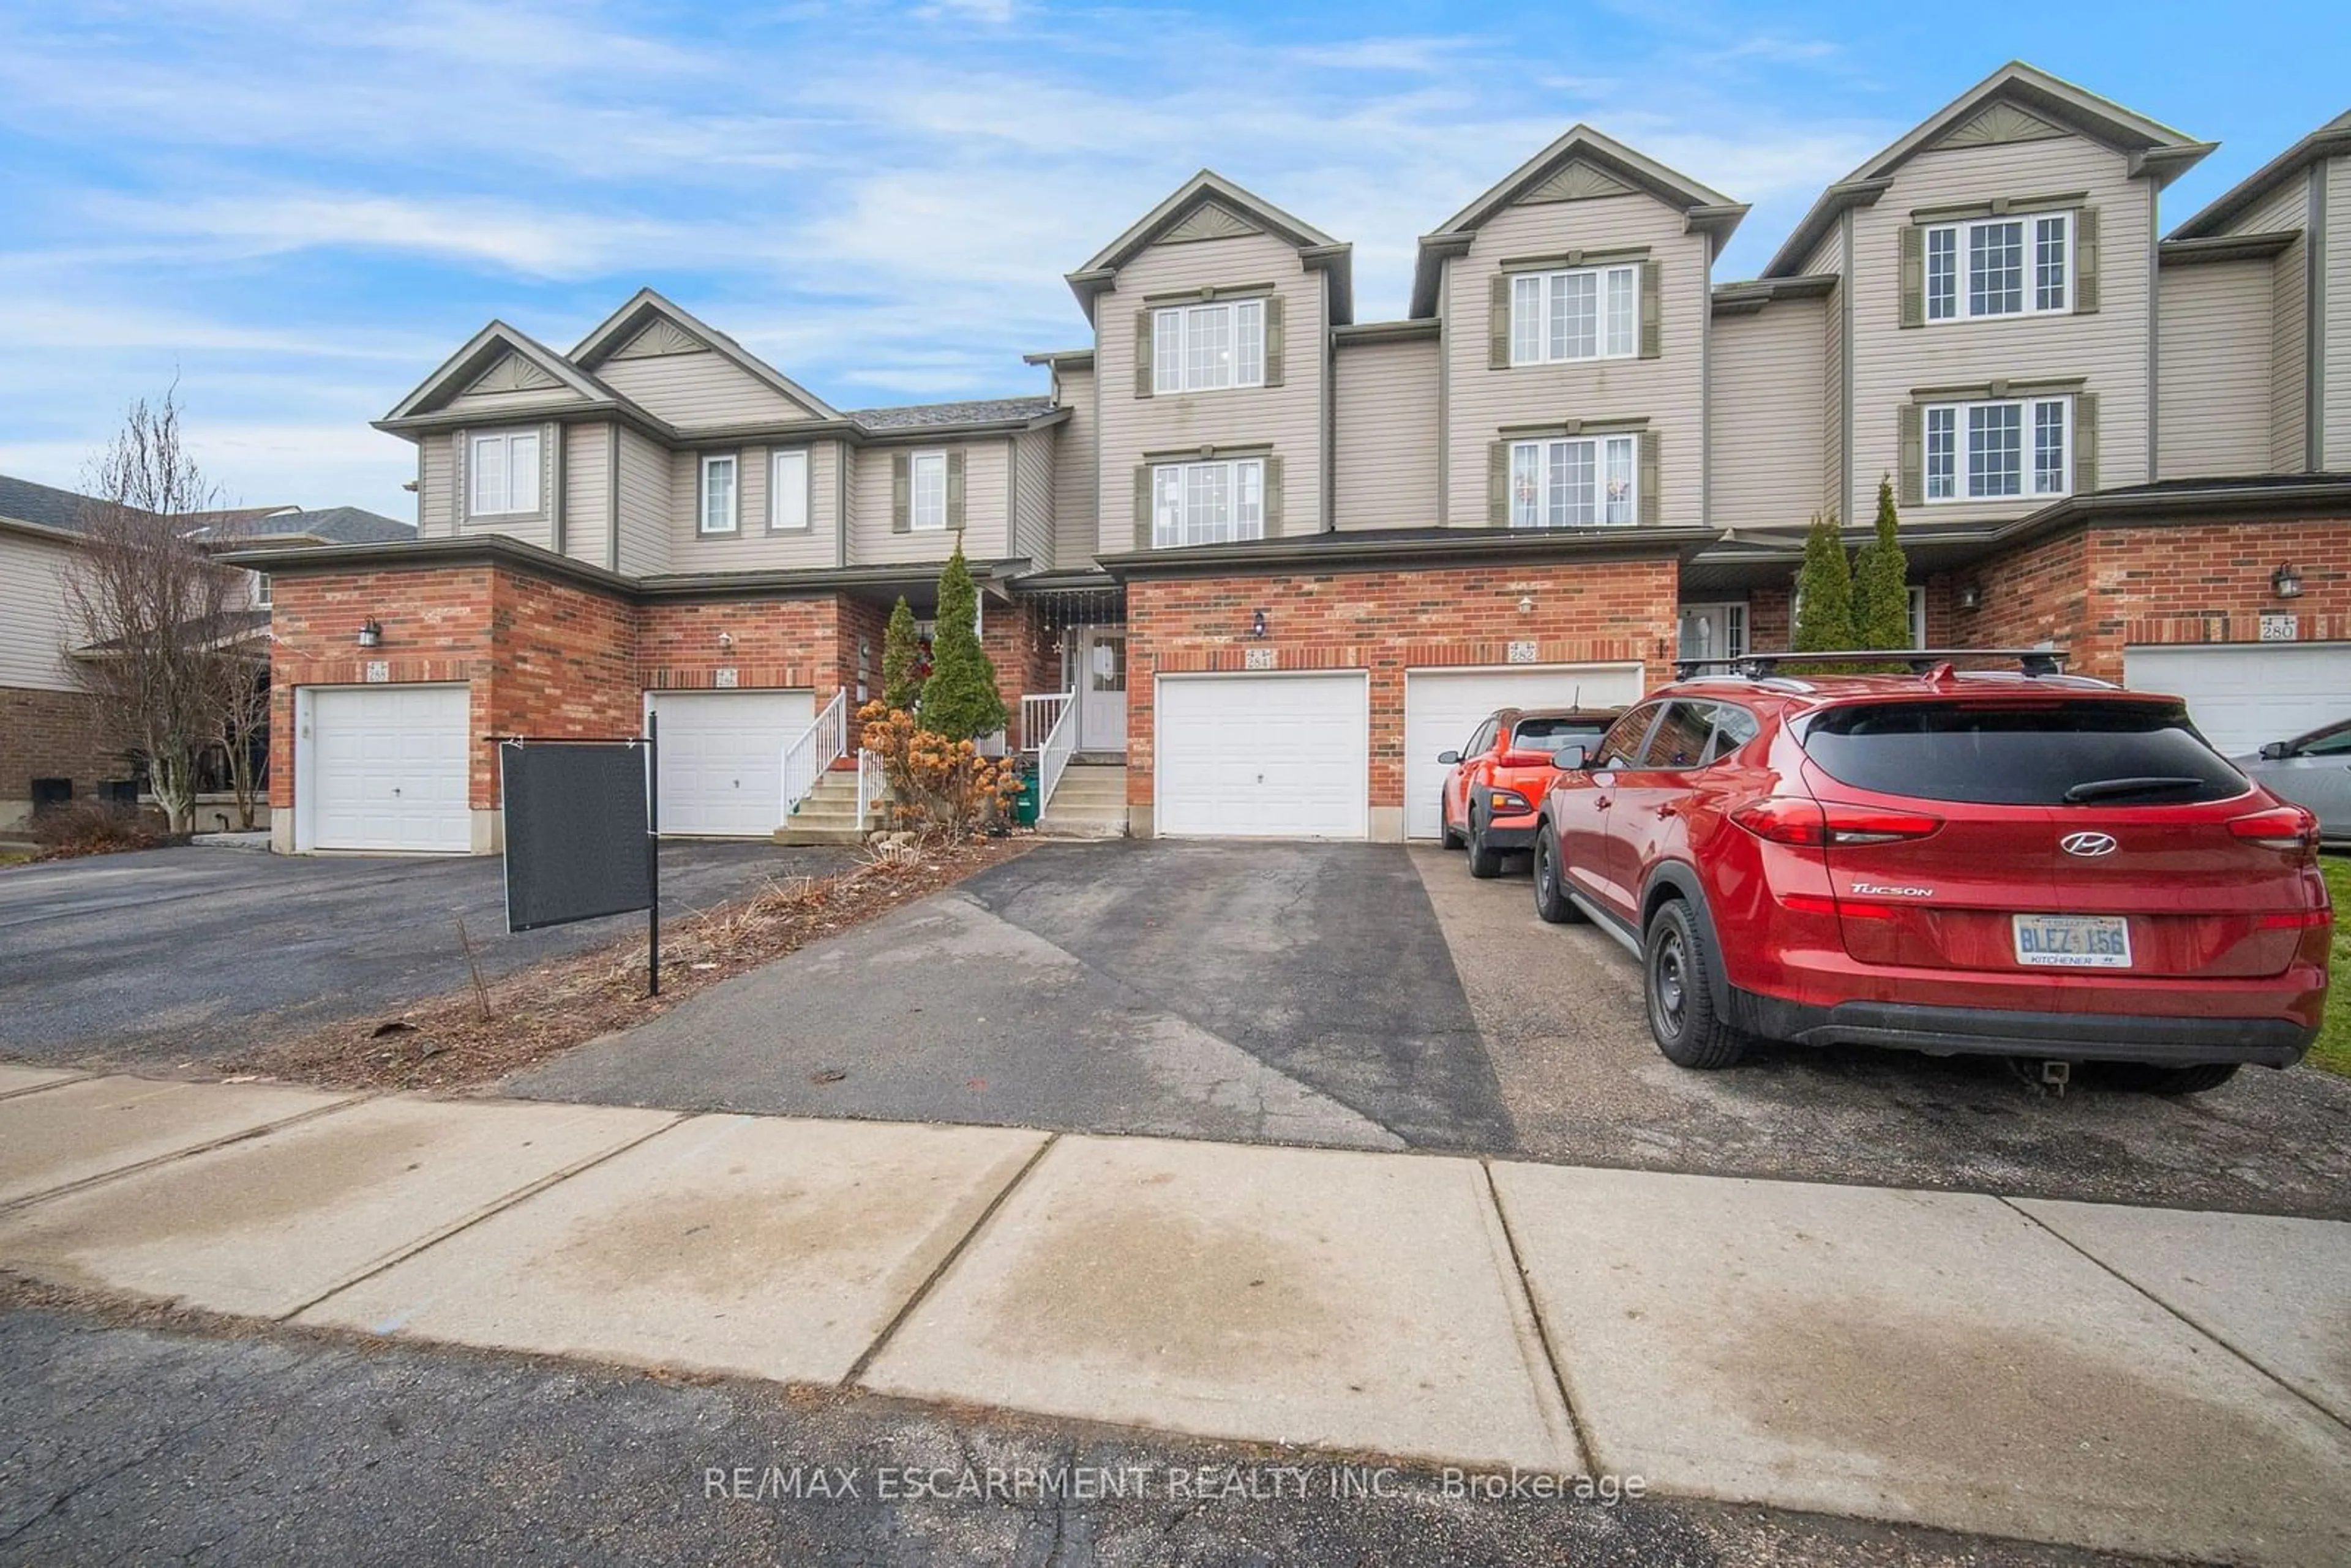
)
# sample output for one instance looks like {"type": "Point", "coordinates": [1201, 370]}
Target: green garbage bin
{"type": "Point", "coordinates": [1024, 805]}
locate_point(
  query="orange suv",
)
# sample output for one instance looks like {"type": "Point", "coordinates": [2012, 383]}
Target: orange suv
{"type": "Point", "coordinates": [1492, 796]}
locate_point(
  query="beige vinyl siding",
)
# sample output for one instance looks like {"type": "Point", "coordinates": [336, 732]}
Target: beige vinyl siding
{"type": "Point", "coordinates": [2336, 391]}
{"type": "Point", "coordinates": [1828, 260]}
{"type": "Point", "coordinates": [1288, 417]}
{"type": "Point", "coordinates": [871, 540]}
{"type": "Point", "coordinates": [2290, 358]}
{"type": "Point", "coordinates": [1767, 414]}
{"type": "Point", "coordinates": [699, 391]}
{"type": "Point", "coordinates": [588, 492]}
{"type": "Point", "coordinates": [2107, 349]}
{"type": "Point", "coordinates": [1384, 419]}
{"type": "Point", "coordinates": [1032, 497]}
{"type": "Point", "coordinates": [1076, 498]}
{"type": "Point", "coordinates": [2286, 210]}
{"type": "Point", "coordinates": [438, 504]}
{"type": "Point", "coordinates": [646, 505]}
{"type": "Point", "coordinates": [521, 407]}
{"type": "Point", "coordinates": [36, 623]}
{"type": "Point", "coordinates": [2213, 396]}
{"type": "Point", "coordinates": [1668, 390]}
{"type": "Point", "coordinates": [751, 547]}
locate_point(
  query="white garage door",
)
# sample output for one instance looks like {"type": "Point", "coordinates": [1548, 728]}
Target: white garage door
{"type": "Point", "coordinates": [722, 759]}
{"type": "Point", "coordinates": [387, 768]}
{"type": "Point", "coordinates": [2244, 695]}
{"type": "Point", "coordinates": [1272, 757]}
{"type": "Point", "coordinates": [1443, 707]}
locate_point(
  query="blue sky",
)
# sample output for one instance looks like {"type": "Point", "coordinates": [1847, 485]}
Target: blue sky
{"type": "Point", "coordinates": [300, 209]}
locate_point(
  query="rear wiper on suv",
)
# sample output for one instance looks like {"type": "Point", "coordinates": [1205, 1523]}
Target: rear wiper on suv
{"type": "Point", "coordinates": [2100, 788]}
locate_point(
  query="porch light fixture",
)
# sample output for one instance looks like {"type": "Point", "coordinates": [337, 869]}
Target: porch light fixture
{"type": "Point", "coordinates": [1256, 625]}
{"type": "Point", "coordinates": [371, 633]}
{"type": "Point", "coordinates": [725, 640]}
{"type": "Point", "coordinates": [2285, 581]}
{"type": "Point", "coordinates": [1526, 604]}
{"type": "Point", "coordinates": [1971, 597]}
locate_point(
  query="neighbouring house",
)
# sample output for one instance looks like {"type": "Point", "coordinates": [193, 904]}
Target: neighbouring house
{"type": "Point", "coordinates": [1249, 564]}
{"type": "Point", "coordinates": [50, 749]}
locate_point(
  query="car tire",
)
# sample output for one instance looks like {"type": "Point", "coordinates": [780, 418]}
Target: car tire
{"type": "Point", "coordinates": [1445, 837]}
{"type": "Point", "coordinates": [1677, 993]}
{"type": "Point", "coordinates": [1551, 903]}
{"type": "Point", "coordinates": [1484, 863]}
{"type": "Point", "coordinates": [2197, 1077]}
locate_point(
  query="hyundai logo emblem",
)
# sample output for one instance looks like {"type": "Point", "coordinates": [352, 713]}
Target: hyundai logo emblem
{"type": "Point", "coordinates": [2087, 844]}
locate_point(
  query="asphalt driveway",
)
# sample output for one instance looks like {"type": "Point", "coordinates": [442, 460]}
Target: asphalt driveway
{"type": "Point", "coordinates": [170, 957]}
{"type": "Point", "coordinates": [1375, 997]}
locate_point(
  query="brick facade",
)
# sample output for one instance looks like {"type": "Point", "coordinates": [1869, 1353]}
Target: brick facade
{"type": "Point", "coordinates": [51, 734]}
{"type": "Point", "coordinates": [1388, 622]}
{"type": "Point", "coordinates": [2094, 591]}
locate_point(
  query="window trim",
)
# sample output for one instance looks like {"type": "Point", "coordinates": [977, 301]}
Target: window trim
{"type": "Point", "coordinates": [257, 595]}
{"type": "Point", "coordinates": [1916, 604]}
{"type": "Point", "coordinates": [1599, 442]}
{"type": "Point", "coordinates": [1601, 271]}
{"type": "Point", "coordinates": [503, 439]}
{"type": "Point", "coordinates": [2027, 451]}
{"type": "Point", "coordinates": [734, 461]}
{"type": "Point", "coordinates": [1233, 524]}
{"type": "Point", "coordinates": [1962, 266]}
{"type": "Point", "coordinates": [1171, 364]}
{"type": "Point", "coordinates": [914, 523]}
{"type": "Point", "coordinates": [776, 486]}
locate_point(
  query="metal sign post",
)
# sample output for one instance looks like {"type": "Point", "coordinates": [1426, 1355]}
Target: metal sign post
{"type": "Point", "coordinates": [652, 853]}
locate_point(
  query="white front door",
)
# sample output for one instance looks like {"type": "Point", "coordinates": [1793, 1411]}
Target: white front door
{"type": "Point", "coordinates": [1101, 679]}
{"type": "Point", "coordinates": [1714, 630]}
{"type": "Point", "coordinates": [1281, 757]}
{"type": "Point", "coordinates": [722, 759]}
{"type": "Point", "coordinates": [386, 768]}
{"type": "Point", "coordinates": [2242, 696]}
{"type": "Point", "coordinates": [1442, 707]}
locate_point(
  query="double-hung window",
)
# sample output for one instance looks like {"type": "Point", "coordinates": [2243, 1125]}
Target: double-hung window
{"type": "Point", "coordinates": [718, 481]}
{"type": "Point", "coordinates": [2001, 267]}
{"type": "Point", "coordinates": [1574, 483]}
{"type": "Point", "coordinates": [1207, 503]}
{"type": "Point", "coordinates": [1588, 313]}
{"type": "Point", "coordinates": [927, 504]}
{"type": "Point", "coordinates": [1987, 451]}
{"type": "Point", "coordinates": [502, 472]}
{"type": "Point", "coordinates": [1207, 348]}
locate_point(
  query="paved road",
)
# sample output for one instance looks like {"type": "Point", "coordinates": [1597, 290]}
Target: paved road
{"type": "Point", "coordinates": [122, 1443]}
{"type": "Point", "coordinates": [1373, 997]}
{"type": "Point", "coordinates": [1291, 993]}
{"type": "Point", "coordinates": [187, 955]}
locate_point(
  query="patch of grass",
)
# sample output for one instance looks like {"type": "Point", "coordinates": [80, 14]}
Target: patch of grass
{"type": "Point", "coordinates": [2333, 1049]}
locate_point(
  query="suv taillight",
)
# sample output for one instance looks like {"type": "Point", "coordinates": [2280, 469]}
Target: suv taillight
{"type": "Point", "coordinates": [1815, 824]}
{"type": "Point", "coordinates": [2287, 828]}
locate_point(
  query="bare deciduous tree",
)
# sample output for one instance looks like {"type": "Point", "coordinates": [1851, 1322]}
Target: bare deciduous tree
{"type": "Point", "coordinates": [157, 616]}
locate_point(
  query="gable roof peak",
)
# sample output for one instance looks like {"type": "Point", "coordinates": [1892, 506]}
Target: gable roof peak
{"type": "Point", "coordinates": [647, 306]}
{"type": "Point", "coordinates": [1175, 219]}
{"type": "Point", "coordinates": [2057, 106]}
{"type": "Point", "coordinates": [484, 351]}
{"type": "Point", "coordinates": [1609, 169]}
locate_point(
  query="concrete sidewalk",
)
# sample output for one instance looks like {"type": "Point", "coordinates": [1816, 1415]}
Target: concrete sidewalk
{"type": "Point", "coordinates": [2141, 1380]}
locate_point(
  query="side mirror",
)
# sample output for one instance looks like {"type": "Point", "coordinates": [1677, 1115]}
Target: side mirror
{"type": "Point", "coordinates": [1448, 758]}
{"type": "Point", "coordinates": [1570, 759]}
{"type": "Point", "coordinates": [2276, 751]}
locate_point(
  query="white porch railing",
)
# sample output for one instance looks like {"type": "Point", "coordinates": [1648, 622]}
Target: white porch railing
{"type": "Point", "coordinates": [1039, 714]}
{"type": "Point", "coordinates": [871, 787]}
{"type": "Point", "coordinates": [1059, 745]}
{"type": "Point", "coordinates": [824, 743]}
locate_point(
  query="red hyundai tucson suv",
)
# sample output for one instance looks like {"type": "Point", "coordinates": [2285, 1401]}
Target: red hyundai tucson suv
{"type": "Point", "coordinates": [2026, 864]}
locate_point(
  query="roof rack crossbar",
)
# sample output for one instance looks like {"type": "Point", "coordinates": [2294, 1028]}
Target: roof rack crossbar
{"type": "Point", "coordinates": [1918, 660]}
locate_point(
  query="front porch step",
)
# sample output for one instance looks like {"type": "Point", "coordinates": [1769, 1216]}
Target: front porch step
{"type": "Point", "coordinates": [828, 816]}
{"type": "Point", "coordinates": [1090, 802]}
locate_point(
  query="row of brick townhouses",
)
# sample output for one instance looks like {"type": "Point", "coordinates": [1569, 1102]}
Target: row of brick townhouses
{"type": "Point", "coordinates": [1278, 558]}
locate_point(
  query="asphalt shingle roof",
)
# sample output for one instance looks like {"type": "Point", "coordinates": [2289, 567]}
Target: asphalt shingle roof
{"type": "Point", "coordinates": [924, 415]}
{"type": "Point", "coordinates": [336, 525]}
{"type": "Point", "coordinates": [30, 503]}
